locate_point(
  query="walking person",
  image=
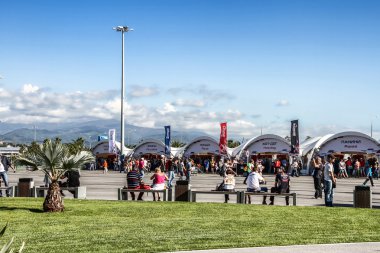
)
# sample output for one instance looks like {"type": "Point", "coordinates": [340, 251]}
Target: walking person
{"type": "Point", "coordinates": [369, 173]}
{"type": "Point", "coordinates": [5, 163]}
{"type": "Point", "coordinates": [317, 176]}
{"type": "Point", "coordinates": [329, 179]}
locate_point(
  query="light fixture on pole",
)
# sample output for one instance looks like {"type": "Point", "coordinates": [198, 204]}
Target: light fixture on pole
{"type": "Point", "coordinates": [122, 29]}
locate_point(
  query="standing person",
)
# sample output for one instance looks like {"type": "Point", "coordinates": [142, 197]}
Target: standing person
{"type": "Point", "coordinates": [5, 163]}
{"type": "Point", "coordinates": [376, 171]}
{"type": "Point", "coordinates": [342, 169]}
{"type": "Point", "coordinates": [105, 166]}
{"type": "Point", "coordinates": [362, 167]}
{"type": "Point", "coordinates": [181, 169]}
{"type": "Point", "coordinates": [329, 179]}
{"type": "Point", "coordinates": [134, 181]}
{"type": "Point", "coordinates": [171, 169]}
{"type": "Point", "coordinates": [281, 185]}
{"type": "Point", "coordinates": [189, 164]}
{"type": "Point", "coordinates": [357, 168]}
{"type": "Point", "coordinates": [317, 176]}
{"type": "Point", "coordinates": [158, 182]}
{"type": "Point", "coordinates": [253, 181]}
{"type": "Point", "coordinates": [369, 173]}
{"type": "Point", "coordinates": [294, 168]}
{"type": "Point", "coordinates": [141, 167]}
{"type": "Point", "coordinates": [349, 166]}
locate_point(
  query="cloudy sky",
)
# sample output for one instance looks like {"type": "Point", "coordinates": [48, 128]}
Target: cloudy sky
{"type": "Point", "coordinates": [192, 64]}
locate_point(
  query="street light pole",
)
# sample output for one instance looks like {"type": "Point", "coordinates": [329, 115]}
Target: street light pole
{"type": "Point", "coordinates": [122, 29]}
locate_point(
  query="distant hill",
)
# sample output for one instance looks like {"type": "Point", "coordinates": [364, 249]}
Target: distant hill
{"type": "Point", "coordinates": [26, 133]}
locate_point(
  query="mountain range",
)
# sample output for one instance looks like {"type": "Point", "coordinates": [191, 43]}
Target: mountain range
{"type": "Point", "coordinates": [26, 133]}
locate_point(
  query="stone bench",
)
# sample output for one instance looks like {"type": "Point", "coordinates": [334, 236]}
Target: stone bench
{"type": "Point", "coordinates": [194, 193]}
{"type": "Point", "coordinates": [294, 195]}
{"type": "Point", "coordinates": [12, 190]}
{"type": "Point", "coordinates": [79, 192]}
{"type": "Point", "coordinates": [122, 193]}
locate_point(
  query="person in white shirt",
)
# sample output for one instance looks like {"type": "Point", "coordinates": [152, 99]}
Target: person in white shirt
{"type": "Point", "coordinates": [229, 183]}
{"type": "Point", "coordinates": [253, 181]}
{"type": "Point", "coordinates": [4, 166]}
{"type": "Point", "coordinates": [342, 169]}
{"type": "Point", "coordinates": [329, 178]}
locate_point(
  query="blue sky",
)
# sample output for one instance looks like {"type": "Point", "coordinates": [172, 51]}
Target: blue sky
{"type": "Point", "coordinates": [193, 64]}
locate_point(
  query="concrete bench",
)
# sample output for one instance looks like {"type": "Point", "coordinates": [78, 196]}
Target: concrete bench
{"type": "Point", "coordinates": [294, 195]}
{"type": "Point", "coordinates": [194, 193]}
{"type": "Point", "coordinates": [79, 192]}
{"type": "Point", "coordinates": [122, 193]}
{"type": "Point", "coordinates": [12, 190]}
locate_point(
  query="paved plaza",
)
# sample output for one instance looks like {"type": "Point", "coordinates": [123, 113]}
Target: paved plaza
{"type": "Point", "coordinates": [104, 186]}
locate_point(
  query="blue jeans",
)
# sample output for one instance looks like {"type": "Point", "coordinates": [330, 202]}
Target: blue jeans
{"type": "Point", "coordinates": [171, 178]}
{"type": "Point", "coordinates": [4, 176]}
{"type": "Point", "coordinates": [329, 193]}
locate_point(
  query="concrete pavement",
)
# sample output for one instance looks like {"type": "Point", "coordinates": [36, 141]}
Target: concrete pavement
{"type": "Point", "coordinates": [370, 247]}
{"type": "Point", "coordinates": [104, 186]}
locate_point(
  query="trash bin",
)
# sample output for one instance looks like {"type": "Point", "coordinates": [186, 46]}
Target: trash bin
{"type": "Point", "coordinates": [182, 189]}
{"type": "Point", "coordinates": [362, 196]}
{"type": "Point", "coordinates": [24, 187]}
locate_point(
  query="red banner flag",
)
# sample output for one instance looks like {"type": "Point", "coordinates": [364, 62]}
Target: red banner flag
{"type": "Point", "coordinates": [223, 139]}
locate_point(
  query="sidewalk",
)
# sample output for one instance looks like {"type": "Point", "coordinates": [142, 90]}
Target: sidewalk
{"type": "Point", "coordinates": [370, 247]}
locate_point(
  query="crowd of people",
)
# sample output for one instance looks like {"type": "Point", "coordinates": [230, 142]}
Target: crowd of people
{"type": "Point", "coordinates": [163, 170]}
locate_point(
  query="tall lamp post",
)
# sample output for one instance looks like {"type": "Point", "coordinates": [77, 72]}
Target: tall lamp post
{"type": "Point", "coordinates": [122, 29]}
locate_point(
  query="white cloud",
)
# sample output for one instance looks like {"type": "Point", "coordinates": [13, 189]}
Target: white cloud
{"type": "Point", "coordinates": [283, 103]}
{"type": "Point", "coordinates": [140, 91]}
{"type": "Point", "coordinates": [168, 108]}
{"type": "Point", "coordinates": [29, 88]}
{"type": "Point", "coordinates": [189, 103]}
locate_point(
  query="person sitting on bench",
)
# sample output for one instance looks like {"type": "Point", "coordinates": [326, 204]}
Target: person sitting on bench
{"type": "Point", "coordinates": [281, 185]}
{"type": "Point", "coordinates": [253, 181]}
{"type": "Point", "coordinates": [72, 180]}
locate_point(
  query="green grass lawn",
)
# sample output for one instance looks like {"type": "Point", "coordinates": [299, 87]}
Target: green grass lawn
{"type": "Point", "coordinates": [121, 226]}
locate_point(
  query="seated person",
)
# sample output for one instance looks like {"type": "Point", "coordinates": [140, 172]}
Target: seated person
{"type": "Point", "coordinates": [253, 181]}
{"type": "Point", "coordinates": [281, 185]}
{"type": "Point", "coordinates": [158, 182]}
{"type": "Point", "coordinates": [134, 181]}
{"type": "Point", "coordinates": [72, 180]}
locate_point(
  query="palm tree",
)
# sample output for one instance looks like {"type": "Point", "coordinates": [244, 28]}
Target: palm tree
{"type": "Point", "coordinates": [54, 159]}
{"type": "Point", "coordinates": [177, 144]}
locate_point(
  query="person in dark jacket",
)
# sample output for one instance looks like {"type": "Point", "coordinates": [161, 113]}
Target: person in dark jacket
{"type": "Point", "coordinates": [72, 180]}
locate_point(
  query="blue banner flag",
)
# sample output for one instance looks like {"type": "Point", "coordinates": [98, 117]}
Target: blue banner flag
{"type": "Point", "coordinates": [167, 140]}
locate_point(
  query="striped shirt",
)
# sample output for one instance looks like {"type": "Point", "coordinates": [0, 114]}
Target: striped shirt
{"type": "Point", "coordinates": [133, 179]}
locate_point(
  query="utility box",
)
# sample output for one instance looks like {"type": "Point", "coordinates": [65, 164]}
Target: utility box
{"type": "Point", "coordinates": [24, 187]}
{"type": "Point", "coordinates": [362, 196]}
{"type": "Point", "coordinates": [182, 190]}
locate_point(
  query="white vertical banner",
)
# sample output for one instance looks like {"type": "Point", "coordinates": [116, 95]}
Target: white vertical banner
{"type": "Point", "coordinates": [111, 141]}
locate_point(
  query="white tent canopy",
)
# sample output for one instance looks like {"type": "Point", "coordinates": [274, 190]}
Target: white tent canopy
{"type": "Point", "coordinates": [201, 145]}
{"type": "Point", "coordinates": [267, 143]}
{"type": "Point", "coordinates": [102, 148]}
{"type": "Point", "coordinates": [344, 142]}
{"type": "Point", "coordinates": [151, 146]}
